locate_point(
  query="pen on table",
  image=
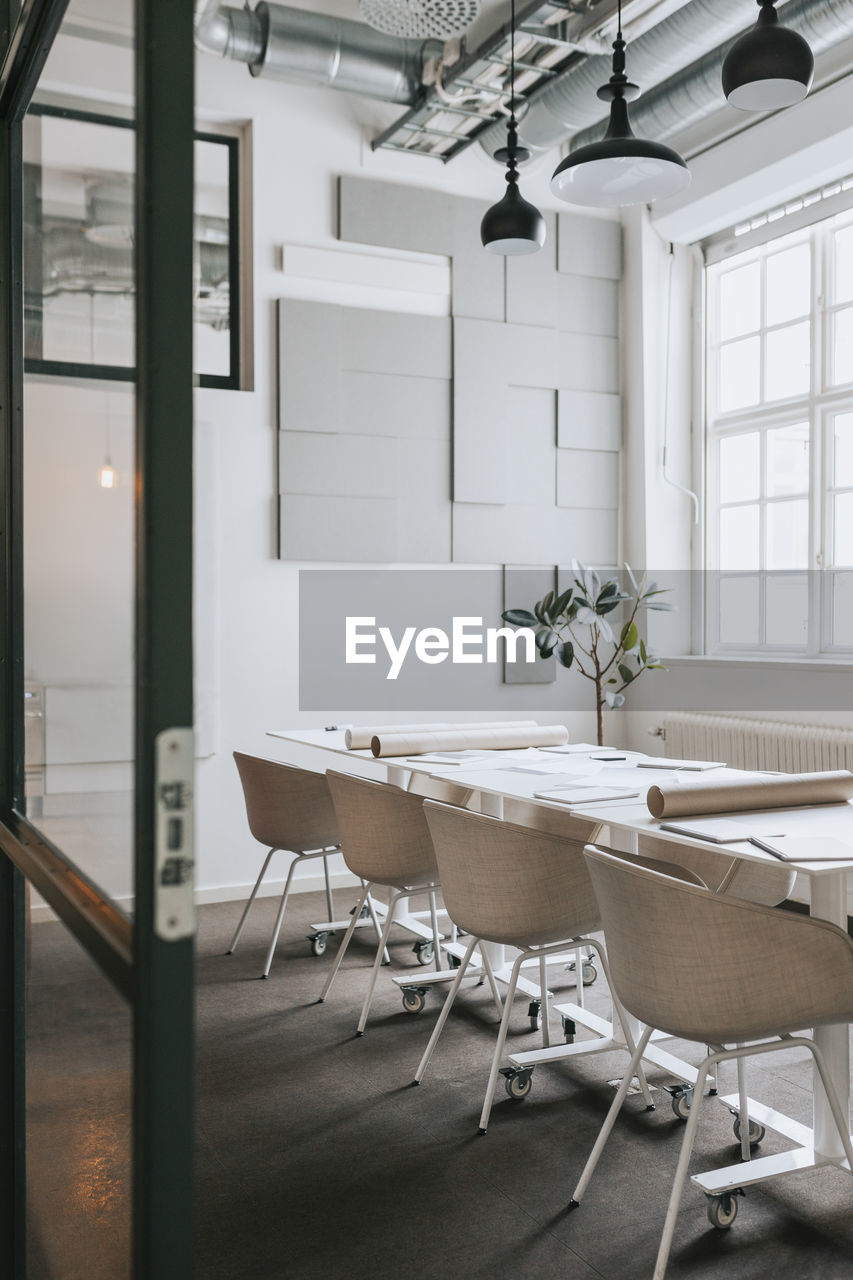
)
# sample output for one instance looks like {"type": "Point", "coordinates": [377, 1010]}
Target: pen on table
{"type": "Point", "coordinates": [767, 848]}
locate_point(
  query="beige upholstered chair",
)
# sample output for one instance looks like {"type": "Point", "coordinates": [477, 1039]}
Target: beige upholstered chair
{"type": "Point", "coordinates": [386, 841]}
{"type": "Point", "coordinates": [516, 886]}
{"type": "Point", "coordinates": [287, 809]}
{"type": "Point", "coordinates": [752, 881]}
{"type": "Point", "coordinates": [744, 973]}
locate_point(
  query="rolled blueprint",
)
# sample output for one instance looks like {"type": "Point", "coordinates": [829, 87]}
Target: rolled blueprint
{"type": "Point", "coordinates": [359, 738]}
{"type": "Point", "coordinates": [734, 795]}
{"type": "Point", "coordinates": [492, 739]}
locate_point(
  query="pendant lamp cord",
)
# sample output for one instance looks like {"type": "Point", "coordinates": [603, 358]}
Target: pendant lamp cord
{"type": "Point", "coordinates": [512, 67]}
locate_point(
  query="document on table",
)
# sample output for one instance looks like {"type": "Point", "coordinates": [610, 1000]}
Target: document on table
{"type": "Point", "coordinates": [805, 848]}
{"type": "Point", "coordinates": [589, 793]}
{"type": "Point", "coordinates": [694, 766]}
{"type": "Point", "coordinates": [717, 830]}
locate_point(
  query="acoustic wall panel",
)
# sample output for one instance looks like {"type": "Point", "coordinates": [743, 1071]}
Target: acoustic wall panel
{"type": "Point", "coordinates": [587, 478]}
{"type": "Point", "coordinates": [406, 408]}
{"type": "Point", "coordinates": [395, 216]}
{"type": "Point", "coordinates": [336, 528]}
{"type": "Point", "coordinates": [344, 465]}
{"type": "Point", "coordinates": [515, 534]}
{"type": "Point", "coordinates": [589, 362]}
{"type": "Point", "coordinates": [588, 420]}
{"type": "Point", "coordinates": [589, 246]}
{"type": "Point", "coordinates": [423, 513]}
{"type": "Point", "coordinates": [533, 285]}
{"type": "Point", "coordinates": [587, 305]}
{"type": "Point", "coordinates": [530, 435]}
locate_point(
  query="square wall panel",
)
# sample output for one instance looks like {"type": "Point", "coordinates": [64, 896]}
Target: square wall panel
{"type": "Point", "coordinates": [589, 420]}
{"type": "Point", "coordinates": [589, 246]}
{"type": "Point", "coordinates": [587, 478]}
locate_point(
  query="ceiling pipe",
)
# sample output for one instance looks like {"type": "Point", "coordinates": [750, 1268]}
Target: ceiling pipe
{"type": "Point", "coordinates": [316, 49]}
{"type": "Point", "coordinates": [694, 93]}
{"type": "Point", "coordinates": [569, 102]}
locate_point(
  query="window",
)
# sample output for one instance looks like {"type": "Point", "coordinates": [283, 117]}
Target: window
{"type": "Point", "coordinates": [79, 243]}
{"type": "Point", "coordinates": [779, 445]}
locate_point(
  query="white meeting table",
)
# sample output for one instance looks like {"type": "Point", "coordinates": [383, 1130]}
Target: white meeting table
{"type": "Point", "coordinates": [501, 779]}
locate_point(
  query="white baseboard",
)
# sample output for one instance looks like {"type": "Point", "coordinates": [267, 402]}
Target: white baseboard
{"type": "Point", "coordinates": [41, 912]}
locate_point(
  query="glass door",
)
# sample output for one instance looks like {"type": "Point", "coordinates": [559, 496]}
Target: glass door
{"type": "Point", "coordinates": [96, 745]}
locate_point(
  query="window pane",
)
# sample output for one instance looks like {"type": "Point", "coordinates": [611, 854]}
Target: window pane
{"type": "Point", "coordinates": [843, 529]}
{"type": "Point", "coordinates": [788, 460]}
{"type": "Point", "coordinates": [740, 301]}
{"type": "Point", "coordinates": [739, 538]}
{"type": "Point", "coordinates": [788, 362]}
{"type": "Point", "coordinates": [740, 467]}
{"type": "Point", "coordinates": [786, 610]}
{"type": "Point", "coordinates": [842, 365]}
{"type": "Point", "coordinates": [740, 370]}
{"type": "Point", "coordinates": [788, 535]}
{"type": "Point", "coordinates": [212, 303]}
{"type": "Point", "coordinates": [843, 275]}
{"type": "Point", "coordinates": [739, 611]}
{"type": "Point", "coordinates": [842, 608]}
{"type": "Point", "coordinates": [843, 452]}
{"type": "Point", "coordinates": [788, 284]}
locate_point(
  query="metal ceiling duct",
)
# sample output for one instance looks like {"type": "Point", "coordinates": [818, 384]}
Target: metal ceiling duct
{"type": "Point", "coordinates": [316, 49]}
{"type": "Point", "coordinates": [569, 102]}
{"type": "Point", "coordinates": [691, 95]}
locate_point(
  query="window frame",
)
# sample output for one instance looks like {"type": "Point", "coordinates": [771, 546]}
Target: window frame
{"type": "Point", "coordinates": [819, 406]}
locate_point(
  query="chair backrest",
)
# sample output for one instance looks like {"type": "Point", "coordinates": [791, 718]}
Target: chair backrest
{"type": "Point", "coordinates": [384, 835]}
{"type": "Point", "coordinates": [287, 808]}
{"type": "Point", "coordinates": [712, 968]}
{"type": "Point", "coordinates": [753, 881]}
{"type": "Point", "coordinates": [510, 884]}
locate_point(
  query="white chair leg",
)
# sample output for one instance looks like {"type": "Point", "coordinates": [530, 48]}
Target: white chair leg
{"type": "Point", "coordinates": [609, 1120]}
{"type": "Point", "coordinates": [680, 1174]}
{"type": "Point", "coordinates": [501, 1040]}
{"type": "Point", "coordinates": [380, 951]}
{"type": "Point", "coordinates": [620, 1013]}
{"type": "Point", "coordinates": [436, 940]}
{"type": "Point", "coordinates": [345, 941]}
{"type": "Point", "coordinates": [252, 897]}
{"type": "Point", "coordinates": [280, 916]}
{"type": "Point", "coordinates": [330, 906]}
{"type": "Point", "coordinates": [445, 1010]}
{"type": "Point", "coordinates": [543, 1000]}
{"type": "Point", "coordinates": [490, 974]}
{"type": "Point", "coordinates": [371, 907]}
{"type": "Point", "coordinates": [743, 1105]}
{"type": "Point", "coordinates": [580, 995]}
{"type": "Point", "coordinates": [835, 1106]}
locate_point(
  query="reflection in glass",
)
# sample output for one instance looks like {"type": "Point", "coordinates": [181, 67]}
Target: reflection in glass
{"type": "Point", "coordinates": [78, 622]}
{"type": "Point", "coordinates": [211, 266]}
{"type": "Point", "coordinates": [739, 611]}
{"type": "Point", "coordinates": [739, 538]}
{"type": "Point", "coordinates": [787, 535]}
{"type": "Point", "coordinates": [740, 467]}
{"type": "Point", "coordinates": [78, 1116]}
{"type": "Point", "coordinates": [740, 301]}
{"type": "Point", "coordinates": [788, 285]}
{"type": "Point", "coordinates": [788, 362]}
{"type": "Point", "coordinates": [788, 460]}
{"type": "Point", "coordinates": [786, 610]}
{"type": "Point", "coordinates": [740, 370]}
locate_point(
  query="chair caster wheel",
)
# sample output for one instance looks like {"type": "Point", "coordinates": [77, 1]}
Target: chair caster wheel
{"type": "Point", "coordinates": [534, 1013]}
{"type": "Point", "coordinates": [518, 1081]}
{"type": "Point", "coordinates": [756, 1131]}
{"type": "Point", "coordinates": [318, 943]}
{"type": "Point", "coordinates": [414, 999]}
{"type": "Point", "coordinates": [682, 1100]}
{"type": "Point", "coordinates": [424, 951]}
{"type": "Point", "coordinates": [722, 1210]}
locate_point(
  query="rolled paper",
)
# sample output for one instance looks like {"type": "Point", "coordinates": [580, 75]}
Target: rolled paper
{"type": "Point", "coordinates": [359, 738]}
{"type": "Point", "coordinates": [492, 739]}
{"type": "Point", "coordinates": [735, 795]}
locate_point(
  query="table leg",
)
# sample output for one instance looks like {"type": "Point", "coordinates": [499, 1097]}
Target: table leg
{"type": "Point", "coordinates": [829, 902]}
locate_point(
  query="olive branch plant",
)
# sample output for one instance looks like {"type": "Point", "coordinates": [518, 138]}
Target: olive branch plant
{"type": "Point", "coordinates": [573, 626]}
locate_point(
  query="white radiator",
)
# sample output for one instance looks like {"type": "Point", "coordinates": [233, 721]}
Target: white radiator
{"type": "Point", "coordinates": [757, 744]}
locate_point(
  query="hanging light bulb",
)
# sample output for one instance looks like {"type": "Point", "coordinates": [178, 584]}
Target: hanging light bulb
{"type": "Point", "coordinates": [621, 169]}
{"type": "Point", "coordinates": [512, 226]}
{"type": "Point", "coordinates": [108, 476]}
{"type": "Point", "coordinates": [769, 66]}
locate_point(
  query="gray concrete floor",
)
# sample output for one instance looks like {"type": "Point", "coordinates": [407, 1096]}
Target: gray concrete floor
{"type": "Point", "coordinates": [317, 1160]}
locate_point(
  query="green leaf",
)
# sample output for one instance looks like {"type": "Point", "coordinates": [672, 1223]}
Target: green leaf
{"type": "Point", "coordinates": [630, 636]}
{"type": "Point", "coordinates": [656, 666]}
{"type": "Point", "coordinates": [607, 606]}
{"type": "Point", "coordinates": [546, 639]}
{"type": "Point", "coordinates": [630, 573]}
{"type": "Point", "coordinates": [609, 589]}
{"type": "Point", "coordinates": [614, 700]}
{"type": "Point", "coordinates": [626, 673]}
{"type": "Point", "coordinates": [662, 606]}
{"type": "Point", "coordinates": [565, 653]}
{"type": "Point", "coordinates": [643, 655]}
{"type": "Point", "coordinates": [519, 618]}
{"type": "Point", "coordinates": [561, 602]}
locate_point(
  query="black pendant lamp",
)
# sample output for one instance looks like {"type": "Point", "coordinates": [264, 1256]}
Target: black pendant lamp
{"type": "Point", "coordinates": [769, 66]}
{"type": "Point", "coordinates": [513, 225]}
{"type": "Point", "coordinates": [621, 169]}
